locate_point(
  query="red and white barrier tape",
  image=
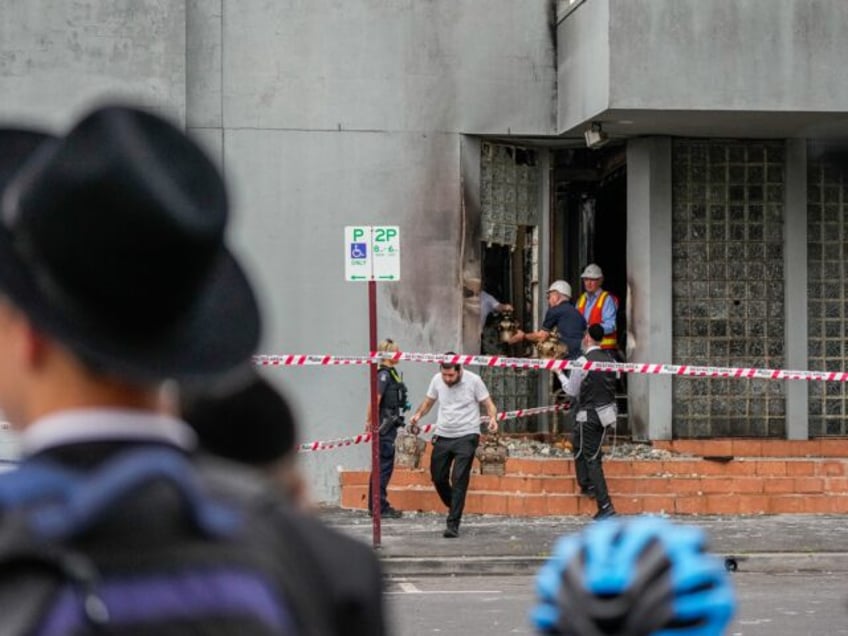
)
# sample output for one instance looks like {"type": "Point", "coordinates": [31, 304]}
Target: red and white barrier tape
{"type": "Point", "coordinates": [364, 438]}
{"type": "Point", "coordinates": [680, 370]}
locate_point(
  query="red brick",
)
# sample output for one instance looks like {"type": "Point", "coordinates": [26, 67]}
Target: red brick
{"type": "Point", "coordinates": [771, 467]}
{"type": "Point", "coordinates": [685, 467]}
{"type": "Point", "coordinates": [716, 485]}
{"type": "Point", "coordinates": [646, 467]}
{"type": "Point", "coordinates": [515, 505]}
{"type": "Point", "coordinates": [787, 448]}
{"type": "Point", "coordinates": [747, 448]}
{"type": "Point", "coordinates": [753, 504]}
{"type": "Point", "coordinates": [716, 447]}
{"type": "Point", "coordinates": [809, 485]}
{"type": "Point", "coordinates": [657, 505]}
{"type": "Point", "coordinates": [836, 485]}
{"type": "Point", "coordinates": [562, 505]}
{"type": "Point", "coordinates": [779, 485]}
{"type": "Point", "coordinates": [786, 504]}
{"type": "Point", "coordinates": [722, 504]}
{"type": "Point", "coordinates": [628, 505]}
{"type": "Point", "coordinates": [800, 467]}
{"type": "Point", "coordinates": [840, 504]}
{"type": "Point", "coordinates": [831, 468]}
{"type": "Point", "coordinates": [536, 506]}
{"type": "Point", "coordinates": [834, 447]}
{"type": "Point", "coordinates": [353, 498]}
{"type": "Point", "coordinates": [739, 467]}
{"type": "Point", "coordinates": [586, 506]}
{"type": "Point", "coordinates": [820, 505]}
{"type": "Point", "coordinates": [690, 505]}
{"type": "Point", "coordinates": [417, 478]}
{"type": "Point", "coordinates": [686, 485]}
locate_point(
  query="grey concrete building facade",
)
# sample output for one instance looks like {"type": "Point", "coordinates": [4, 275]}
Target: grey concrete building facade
{"type": "Point", "coordinates": [717, 208]}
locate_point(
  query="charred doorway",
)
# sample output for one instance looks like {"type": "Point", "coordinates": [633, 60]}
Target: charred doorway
{"type": "Point", "coordinates": [511, 199]}
{"type": "Point", "coordinates": [589, 225]}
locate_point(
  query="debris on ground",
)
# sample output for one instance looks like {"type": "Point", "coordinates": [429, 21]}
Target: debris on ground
{"type": "Point", "coordinates": [530, 448]}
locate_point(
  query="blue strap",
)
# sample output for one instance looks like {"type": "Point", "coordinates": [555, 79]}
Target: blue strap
{"type": "Point", "coordinates": [36, 481]}
{"type": "Point", "coordinates": [91, 495]}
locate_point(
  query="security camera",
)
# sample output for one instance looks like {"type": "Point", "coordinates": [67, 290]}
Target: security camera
{"type": "Point", "coordinates": [595, 137]}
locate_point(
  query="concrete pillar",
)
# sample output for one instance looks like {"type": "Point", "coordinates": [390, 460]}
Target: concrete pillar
{"type": "Point", "coordinates": [795, 259]}
{"type": "Point", "coordinates": [649, 283]}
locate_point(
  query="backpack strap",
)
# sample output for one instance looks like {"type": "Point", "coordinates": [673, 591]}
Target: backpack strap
{"type": "Point", "coordinates": [91, 497]}
{"type": "Point", "coordinates": [36, 481]}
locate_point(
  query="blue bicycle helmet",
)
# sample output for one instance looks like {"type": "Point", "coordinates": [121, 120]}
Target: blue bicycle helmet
{"type": "Point", "coordinates": [637, 576]}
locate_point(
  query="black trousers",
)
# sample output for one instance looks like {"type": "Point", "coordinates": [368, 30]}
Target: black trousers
{"type": "Point", "coordinates": [586, 440]}
{"type": "Point", "coordinates": [450, 470]}
{"type": "Point", "coordinates": [387, 467]}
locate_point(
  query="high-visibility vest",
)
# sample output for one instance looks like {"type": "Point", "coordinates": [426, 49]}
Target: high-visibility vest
{"type": "Point", "coordinates": [610, 340]}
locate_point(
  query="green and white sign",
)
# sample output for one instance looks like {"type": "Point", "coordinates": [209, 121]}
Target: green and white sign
{"type": "Point", "coordinates": [372, 252]}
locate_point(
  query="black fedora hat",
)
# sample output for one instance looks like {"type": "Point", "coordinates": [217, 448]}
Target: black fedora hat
{"type": "Point", "coordinates": [112, 241]}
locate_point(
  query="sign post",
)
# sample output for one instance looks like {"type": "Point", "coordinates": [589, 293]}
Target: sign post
{"type": "Point", "coordinates": [372, 254]}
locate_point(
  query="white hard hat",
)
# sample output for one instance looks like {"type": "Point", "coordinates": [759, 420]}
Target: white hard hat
{"type": "Point", "coordinates": [561, 287]}
{"type": "Point", "coordinates": [592, 271]}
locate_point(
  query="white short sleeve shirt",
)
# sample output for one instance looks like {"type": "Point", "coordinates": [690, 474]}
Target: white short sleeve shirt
{"type": "Point", "coordinates": [459, 405]}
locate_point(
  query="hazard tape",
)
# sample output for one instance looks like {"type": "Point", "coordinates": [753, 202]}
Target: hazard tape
{"type": "Point", "coordinates": [679, 370]}
{"type": "Point", "coordinates": [364, 438]}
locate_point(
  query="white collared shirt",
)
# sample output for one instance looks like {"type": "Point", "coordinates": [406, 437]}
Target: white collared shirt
{"type": "Point", "coordinates": [112, 424]}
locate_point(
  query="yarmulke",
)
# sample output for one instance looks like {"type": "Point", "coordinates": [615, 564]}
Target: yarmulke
{"type": "Point", "coordinates": [596, 332]}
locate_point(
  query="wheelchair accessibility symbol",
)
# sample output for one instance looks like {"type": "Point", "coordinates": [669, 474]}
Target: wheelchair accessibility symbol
{"type": "Point", "coordinates": [359, 250]}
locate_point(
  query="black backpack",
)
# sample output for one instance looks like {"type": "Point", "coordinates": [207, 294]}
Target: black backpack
{"type": "Point", "coordinates": [150, 543]}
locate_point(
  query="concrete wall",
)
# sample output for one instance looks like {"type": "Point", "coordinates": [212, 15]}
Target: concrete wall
{"type": "Point", "coordinates": [327, 113]}
{"type": "Point", "coordinates": [322, 113]}
{"type": "Point", "coordinates": [774, 55]}
{"type": "Point", "coordinates": [58, 57]}
{"type": "Point", "coordinates": [631, 58]}
{"type": "Point", "coordinates": [649, 291]}
{"type": "Point", "coordinates": [583, 64]}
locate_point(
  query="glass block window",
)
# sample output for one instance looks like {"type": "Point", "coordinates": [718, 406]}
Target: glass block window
{"type": "Point", "coordinates": [827, 288]}
{"type": "Point", "coordinates": [510, 191]}
{"type": "Point", "coordinates": [727, 273]}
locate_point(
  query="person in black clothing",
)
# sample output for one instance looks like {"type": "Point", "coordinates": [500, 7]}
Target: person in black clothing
{"type": "Point", "coordinates": [254, 425]}
{"type": "Point", "coordinates": [596, 412]}
{"type": "Point", "coordinates": [115, 277]}
{"type": "Point", "coordinates": [391, 392]}
{"type": "Point", "coordinates": [562, 316]}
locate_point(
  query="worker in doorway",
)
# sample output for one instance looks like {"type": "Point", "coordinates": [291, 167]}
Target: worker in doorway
{"type": "Point", "coordinates": [598, 306]}
{"type": "Point", "coordinates": [489, 305]}
{"type": "Point", "coordinates": [561, 315]}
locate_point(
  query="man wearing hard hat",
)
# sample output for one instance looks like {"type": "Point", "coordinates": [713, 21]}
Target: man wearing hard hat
{"type": "Point", "coordinates": [598, 306]}
{"type": "Point", "coordinates": [561, 315]}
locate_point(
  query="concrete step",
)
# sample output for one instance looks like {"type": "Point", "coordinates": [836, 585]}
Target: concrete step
{"type": "Point", "coordinates": [720, 477]}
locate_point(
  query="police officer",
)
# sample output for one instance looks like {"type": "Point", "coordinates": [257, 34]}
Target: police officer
{"type": "Point", "coordinates": [392, 394]}
{"type": "Point", "coordinates": [596, 412]}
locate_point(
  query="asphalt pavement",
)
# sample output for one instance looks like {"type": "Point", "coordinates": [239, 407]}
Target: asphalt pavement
{"type": "Point", "coordinates": [489, 544]}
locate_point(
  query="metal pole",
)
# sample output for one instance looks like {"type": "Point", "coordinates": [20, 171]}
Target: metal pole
{"type": "Point", "coordinates": [375, 416]}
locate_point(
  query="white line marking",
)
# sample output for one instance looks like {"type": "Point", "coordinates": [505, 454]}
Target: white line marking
{"type": "Point", "coordinates": [409, 588]}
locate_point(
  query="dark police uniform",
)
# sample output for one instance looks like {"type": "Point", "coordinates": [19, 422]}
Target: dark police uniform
{"type": "Point", "coordinates": [393, 402]}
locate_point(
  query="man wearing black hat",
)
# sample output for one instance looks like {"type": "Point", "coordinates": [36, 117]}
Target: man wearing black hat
{"type": "Point", "coordinates": [596, 412]}
{"type": "Point", "coordinates": [114, 276]}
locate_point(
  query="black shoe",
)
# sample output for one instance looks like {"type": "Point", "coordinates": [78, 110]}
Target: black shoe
{"type": "Point", "coordinates": [391, 513]}
{"type": "Point", "coordinates": [588, 492]}
{"type": "Point", "coordinates": [451, 532]}
{"type": "Point", "coordinates": [605, 512]}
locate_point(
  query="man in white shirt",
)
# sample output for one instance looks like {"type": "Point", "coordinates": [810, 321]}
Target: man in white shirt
{"type": "Point", "coordinates": [460, 394]}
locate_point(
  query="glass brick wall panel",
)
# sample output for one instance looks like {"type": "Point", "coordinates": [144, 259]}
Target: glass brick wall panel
{"type": "Point", "coordinates": [727, 284]}
{"type": "Point", "coordinates": [510, 179]}
{"type": "Point", "coordinates": [827, 290]}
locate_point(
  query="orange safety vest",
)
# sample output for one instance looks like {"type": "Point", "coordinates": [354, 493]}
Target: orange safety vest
{"type": "Point", "coordinates": [610, 340]}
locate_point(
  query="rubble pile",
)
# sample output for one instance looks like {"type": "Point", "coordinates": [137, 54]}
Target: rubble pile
{"type": "Point", "coordinates": [534, 448]}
